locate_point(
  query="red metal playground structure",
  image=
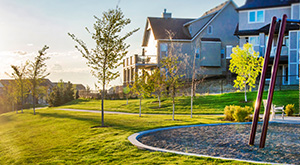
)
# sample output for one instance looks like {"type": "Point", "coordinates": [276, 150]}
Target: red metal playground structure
{"type": "Point", "coordinates": [282, 22]}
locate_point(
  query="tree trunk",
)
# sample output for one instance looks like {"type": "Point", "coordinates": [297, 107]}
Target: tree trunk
{"type": "Point", "coordinates": [192, 98]}
{"type": "Point", "coordinates": [245, 92]}
{"type": "Point", "coordinates": [159, 104]}
{"type": "Point", "coordinates": [13, 107]}
{"type": "Point", "coordinates": [127, 99]}
{"type": "Point", "coordinates": [22, 106]}
{"type": "Point", "coordinates": [102, 105]}
{"type": "Point", "coordinates": [173, 108]}
{"type": "Point", "coordinates": [22, 97]}
{"type": "Point", "coordinates": [140, 113]}
{"type": "Point", "coordinates": [33, 104]}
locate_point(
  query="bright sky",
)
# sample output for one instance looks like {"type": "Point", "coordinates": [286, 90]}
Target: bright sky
{"type": "Point", "coordinates": [27, 25]}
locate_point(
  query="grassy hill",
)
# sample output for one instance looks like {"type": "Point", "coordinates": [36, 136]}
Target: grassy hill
{"type": "Point", "coordinates": [62, 137]}
{"type": "Point", "coordinates": [207, 104]}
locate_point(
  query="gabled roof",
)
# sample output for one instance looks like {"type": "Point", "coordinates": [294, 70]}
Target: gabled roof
{"type": "Point", "coordinates": [215, 9]}
{"type": "Point", "coordinates": [161, 25]}
{"type": "Point", "coordinates": [256, 4]}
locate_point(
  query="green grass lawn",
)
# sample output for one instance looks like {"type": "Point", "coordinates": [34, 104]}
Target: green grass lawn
{"type": "Point", "coordinates": [63, 137]}
{"type": "Point", "coordinates": [208, 104]}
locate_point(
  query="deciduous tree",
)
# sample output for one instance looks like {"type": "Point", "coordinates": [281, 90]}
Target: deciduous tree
{"type": "Point", "coordinates": [170, 64]}
{"type": "Point", "coordinates": [156, 81]}
{"type": "Point", "coordinates": [37, 73]}
{"type": "Point", "coordinates": [247, 65]}
{"type": "Point", "coordinates": [140, 87]}
{"type": "Point", "coordinates": [19, 74]}
{"type": "Point", "coordinates": [126, 91]}
{"type": "Point", "coordinates": [110, 48]}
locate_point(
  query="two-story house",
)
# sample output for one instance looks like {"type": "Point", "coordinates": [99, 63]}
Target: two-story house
{"type": "Point", "coordinates": [253, 27]}
{"type": "Point", "coordinates": [205, 38]}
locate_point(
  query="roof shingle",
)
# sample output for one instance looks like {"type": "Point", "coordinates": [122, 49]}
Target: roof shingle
{"type": "Point", "coordinates": [160, 26]}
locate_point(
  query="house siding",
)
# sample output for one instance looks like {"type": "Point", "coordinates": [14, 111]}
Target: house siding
{"type": "Point", "coordinates": [198, 25]}
{"type": "Point", "coordinates": [269, 13]}
{"type": "Point", "coordinates": [223, 27]}
{"type": "Point", "coordinates": [296, 11]}
{"type": "Point", "coordinates": [151, 48]}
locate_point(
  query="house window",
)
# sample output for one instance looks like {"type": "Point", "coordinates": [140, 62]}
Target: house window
{"type": "Point", "coordinates": [252, 16]}
{"type": "Point", "coordinates": [254, 40]}
{"type": "Point", "coordinates": [222, 53]}
{"type": "Point", "coordinates": [197, 53]}
{"type": "Point", "coordinates": [163, 49]}
{"type": "Point", "coordinates": [209, 30]}
{"type": "Point", "coordinates": [256, 16]}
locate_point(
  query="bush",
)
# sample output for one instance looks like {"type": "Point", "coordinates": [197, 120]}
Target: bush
{"type": "Point", "coordinates": [228, 111]}
{"type": "Point", "coordinates": [237, 113]}
{"type": "Point", "coordinates": [289, 109]}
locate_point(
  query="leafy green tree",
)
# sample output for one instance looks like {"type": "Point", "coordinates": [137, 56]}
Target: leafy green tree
{"type": "Point", "coordinates": [110, 48]}
{"type": "Point", "coordinates": [170, 64]}
{"type": "Point", "coordinates": [55, 97]}
{"type": "Point", "coordinates": [76, 95]}
{"type": "Point", "coordinates": [68, 92]}
{"type": "Point", "coordinates": [247, 65]}
{"type": "Point", "coordinates": [126, 91]}
{"type": "Point", "coordinates": [140, 87]}
{"type": "Point", "coordinates": [156, 81]}
{"type": "Point", "coordinates": [37, 72]}
{"type": "Point", "coordinates": [19, 74]}
{"type": "Point", "coordinates": [61, 94]}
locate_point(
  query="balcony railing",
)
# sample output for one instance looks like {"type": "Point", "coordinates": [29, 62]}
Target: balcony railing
{"type": "Point", "coordinates": [146, 59]}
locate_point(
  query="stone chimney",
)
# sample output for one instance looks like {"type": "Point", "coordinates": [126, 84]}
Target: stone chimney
{"type": "Point", "coordinates": [166, 15]}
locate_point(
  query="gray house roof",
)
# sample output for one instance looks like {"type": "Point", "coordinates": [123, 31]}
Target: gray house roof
{"type": "Point", "coordinates": [178, 25]}
{"type": "Point", "coordinates": [160, 25]}
{"type": "Point", "coordinates": [256, 4]}
{"type": "Point", "coordinates": [215, 9]}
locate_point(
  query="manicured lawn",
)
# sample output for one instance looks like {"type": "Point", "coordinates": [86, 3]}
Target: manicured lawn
{"type": "Point", "coordinates": [209, 104]}
{"type": "Point", "coordinates": [63, 137]}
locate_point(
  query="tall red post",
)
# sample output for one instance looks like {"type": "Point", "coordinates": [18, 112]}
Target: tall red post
{"type": "Point", "coordinates": [272, 83]}
{"type": "Point", "coordinates": [262, 82]}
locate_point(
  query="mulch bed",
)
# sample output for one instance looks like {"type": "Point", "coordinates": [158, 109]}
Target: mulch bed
{"type": "Point", "coordinates": [231, 141]}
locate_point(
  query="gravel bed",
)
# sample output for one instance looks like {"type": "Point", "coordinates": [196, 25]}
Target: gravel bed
{"type": "Point", "coordinates": [231, 141]}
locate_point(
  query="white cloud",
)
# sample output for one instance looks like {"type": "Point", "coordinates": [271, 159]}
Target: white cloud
{"type": "Point", "coordinates": [56, 67]}
{"type": "Point", "coordinates": [29, 44]}
{"type": "Point", "coordinates": [20, 52]}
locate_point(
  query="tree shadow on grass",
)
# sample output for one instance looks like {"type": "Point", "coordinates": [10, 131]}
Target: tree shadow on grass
{"type": "Point", "coordinates": [5, 119]}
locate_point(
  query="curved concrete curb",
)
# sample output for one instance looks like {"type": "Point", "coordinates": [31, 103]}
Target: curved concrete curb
{"type": "Point", "coordinates": [133, 139]}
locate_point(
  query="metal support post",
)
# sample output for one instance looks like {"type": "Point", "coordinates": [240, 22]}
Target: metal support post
{"type": "Point", "coordinates": [262, 82]}
{"type": "Point", "coordinates": [272, 82]}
